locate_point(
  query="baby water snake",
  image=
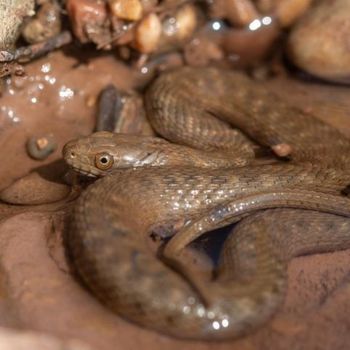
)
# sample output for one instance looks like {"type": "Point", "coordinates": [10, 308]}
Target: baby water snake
{"type": "Point", "coordinates": [155, 188]}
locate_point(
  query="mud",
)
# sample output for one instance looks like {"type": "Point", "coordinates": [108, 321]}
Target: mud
{"type": "Point", "coordinates": [39, 292]}
{"type": "Point", "coordinates": [57, 96]}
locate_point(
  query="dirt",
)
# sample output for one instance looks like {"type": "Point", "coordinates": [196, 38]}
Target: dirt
{"type": "Point", "coordinates": [39, 294]}
{"type": "Point", "coordinates": [57, 96]}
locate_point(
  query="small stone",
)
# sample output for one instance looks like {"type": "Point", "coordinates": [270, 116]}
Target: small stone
{"type": "Point", "coordinates": [41, 147]}
{"type": "Point", "coordinates": [320, 41]}
{"type": "Point", "coordinates": [91, 101]}
{"type": "Point", "coordinates": [34, 189]}
{"type": "Point", "coordinates": [186, 22]}
{"type": "Point", "coordinates": [130, 10]}
{"type": "Point", "coordinates": [12, 15]}
{"type": "Point", "coordinates": [148, 34]}
{"type": "Point", "coordinates": [45, 25]}
{"type": "Point", "coordinates": [86, 16]}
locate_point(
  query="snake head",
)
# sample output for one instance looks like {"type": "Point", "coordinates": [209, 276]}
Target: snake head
{"type": "Point", "coordinates": [103, 152]}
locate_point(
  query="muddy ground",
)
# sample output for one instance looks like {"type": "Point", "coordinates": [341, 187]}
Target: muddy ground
{"type": "Point", "coordinates": [43, 306]}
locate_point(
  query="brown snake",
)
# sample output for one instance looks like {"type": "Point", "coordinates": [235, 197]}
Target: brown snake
{"type": "Point", "coordinates": [153, 187]}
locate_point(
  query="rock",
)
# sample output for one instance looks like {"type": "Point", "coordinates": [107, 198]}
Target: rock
{"type": "Point", "coordinates": [12, 14]}
{"type": "Point", "coordinates": [86, 16]}
{"type": "Point", "coordinates": [34, 189]}
{"type": "Point", "coordinates": [130, 10]}
{"type": "Point", "coordinates": [320, 42]}
{"type": "Point", "coordinates": [41, 147]}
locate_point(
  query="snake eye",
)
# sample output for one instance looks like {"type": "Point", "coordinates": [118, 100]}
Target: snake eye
{"type": "Point", "coordinates": [103, 161]}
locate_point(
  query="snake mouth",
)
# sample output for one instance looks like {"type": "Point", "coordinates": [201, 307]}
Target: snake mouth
{"type": "Point", "coordinates": [84, 169]}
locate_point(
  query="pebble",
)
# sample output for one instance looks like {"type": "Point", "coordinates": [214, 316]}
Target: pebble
{"type": "Point", "coordinates": [320, 42]}
{"type": "Point", "coordinates": [41, 147]}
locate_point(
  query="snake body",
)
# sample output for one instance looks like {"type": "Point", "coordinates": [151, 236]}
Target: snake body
{"type": "Point", "coordinates": [155, 188]}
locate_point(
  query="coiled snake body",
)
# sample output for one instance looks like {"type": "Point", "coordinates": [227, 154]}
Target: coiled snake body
{"type": "Point", "coordinates": [153, 187]}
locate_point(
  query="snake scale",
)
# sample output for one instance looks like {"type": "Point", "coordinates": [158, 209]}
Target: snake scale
{"type": "Point", "coordinates": [207, 178]}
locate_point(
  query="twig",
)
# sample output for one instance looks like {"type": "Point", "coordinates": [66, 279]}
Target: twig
{"type": "Point", "coordinates": [28, 53]}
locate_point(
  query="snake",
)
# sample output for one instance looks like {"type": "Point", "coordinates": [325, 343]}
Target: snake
{"type": "Point", "coordinates": [131, 230]}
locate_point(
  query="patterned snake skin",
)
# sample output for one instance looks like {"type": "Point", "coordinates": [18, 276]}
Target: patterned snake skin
{"type": "Point", "coordinates": [150, 187]}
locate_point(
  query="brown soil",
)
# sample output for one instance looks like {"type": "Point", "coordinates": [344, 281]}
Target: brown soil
{"type": "Point", "coordinates": [38, 292]}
